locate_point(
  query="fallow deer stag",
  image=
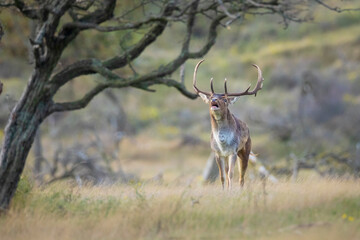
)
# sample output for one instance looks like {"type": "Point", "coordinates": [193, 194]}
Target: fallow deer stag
{"type": "Point", "coordinates": [230, 136]}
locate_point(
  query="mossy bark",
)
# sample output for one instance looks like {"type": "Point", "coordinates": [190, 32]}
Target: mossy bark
{"type": "Point", "coordinates": [20, 132]}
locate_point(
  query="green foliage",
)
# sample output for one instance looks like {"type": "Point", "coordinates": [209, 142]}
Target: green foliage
{"type": "Point", "coordinates": [148, 113]}
{"type": "Point", "coordinates": [23, 192]}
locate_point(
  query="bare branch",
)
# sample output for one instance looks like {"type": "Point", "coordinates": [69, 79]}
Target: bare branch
{"type": "Point", "coordinates": [125, 26]}
{"type": "Point", "coordinates": [84, 7]}
{"type": "Point", "coordinates": [83, 102]}
{"type": "Point", "coordinates": [161, 72]}
{"type": "Point", "coordinates": [189, 27]}
{"type": "Point", "coordinates": [183, 11]}
{"type": "Point", "coordinates": [144, 81]}
{"type": "Point", "coordinates": [98, 67]}
{"type": "Point", "coordinates": [226, 11]}
{"type": "Point", "coordinates": [178, 85]}
{"type": "Point", "coordinates": [128, 58]}
{"type": "Point", "coordinates": [84, 67]}
{"type": "Point", "coordinates": [66, 35]}
{"type": "Point", "coordinates": [132, 10]}
{"type": "Point", "coordinates": [172, 83]}
{"type": "Point", "coordinates": [336, 9]}
{"type": "Point", "coordinates": [25, 10]}
{"type": "Point", "coordinates": [7, 4]}
{"type": "Point", "coordinates": [275, 7]}
{"type": "Point", "coordinates": [210, 39]}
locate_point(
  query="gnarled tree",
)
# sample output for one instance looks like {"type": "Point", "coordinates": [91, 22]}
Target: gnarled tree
{"type": "Point", "coordinates": [59, 22]}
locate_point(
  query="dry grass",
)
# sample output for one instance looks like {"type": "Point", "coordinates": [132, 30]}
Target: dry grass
{"type": "Point", "coordinates": [312, 208]}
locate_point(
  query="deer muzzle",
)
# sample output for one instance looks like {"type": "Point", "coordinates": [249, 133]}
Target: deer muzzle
{"type": "Point", "coordinates": [214, 106]}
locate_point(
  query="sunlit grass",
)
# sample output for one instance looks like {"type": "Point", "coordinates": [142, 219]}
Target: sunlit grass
{"type": "Point", "coordinates": [191, 211]}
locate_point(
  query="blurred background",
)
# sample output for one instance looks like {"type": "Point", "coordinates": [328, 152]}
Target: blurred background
{"type": "Point", "coordinates": [305, 118]}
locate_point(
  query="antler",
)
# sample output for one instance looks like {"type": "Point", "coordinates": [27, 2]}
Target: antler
{"type": "Point", "coordinates": [211, 85]}
{"type": "Point", "coordinates": [225, 87]}
{"type": "Point", "coordinates": [258, 86]}
{"type": "Point", "coordinates": [194, 81]}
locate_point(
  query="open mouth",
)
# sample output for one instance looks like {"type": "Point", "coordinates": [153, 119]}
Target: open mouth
{"type": "Point", "coordinates": [214, 106]}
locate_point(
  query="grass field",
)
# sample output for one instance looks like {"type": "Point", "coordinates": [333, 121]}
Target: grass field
{"type": "Point", "coordinates": [307, 209]}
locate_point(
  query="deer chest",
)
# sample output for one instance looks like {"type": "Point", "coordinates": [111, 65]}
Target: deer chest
{"type": "Point", "coordinates": [225, 142]}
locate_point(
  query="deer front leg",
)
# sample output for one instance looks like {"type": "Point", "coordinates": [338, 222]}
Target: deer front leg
{"type": "Point", "coordinates": [220, 163]}
{"type": "Point", "coordinates": [232, 160]}
{"type": "Point", "coordinates": [226, 163]}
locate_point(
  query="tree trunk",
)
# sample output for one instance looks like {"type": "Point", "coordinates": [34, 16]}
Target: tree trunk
{"type": "Point", "coordinates": [20, 132]}
{"type": "Point", "coordinates": [211, 171]}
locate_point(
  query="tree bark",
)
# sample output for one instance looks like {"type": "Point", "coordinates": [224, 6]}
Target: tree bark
{"type": "Point", "coordinates": [20, 132]}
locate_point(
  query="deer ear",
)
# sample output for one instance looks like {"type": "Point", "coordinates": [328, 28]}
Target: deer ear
{"type": "Point", "coordinates": [204, 97]}
{"type": "Point", "coordinates": [232, 100]}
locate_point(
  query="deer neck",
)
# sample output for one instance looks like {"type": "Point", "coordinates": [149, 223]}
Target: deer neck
{"type": "Point", "coordinates": [224, 123]}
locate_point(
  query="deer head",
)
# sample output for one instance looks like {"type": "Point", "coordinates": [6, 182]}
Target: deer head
{"type": "Point", "coordinates": [218, 103]}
